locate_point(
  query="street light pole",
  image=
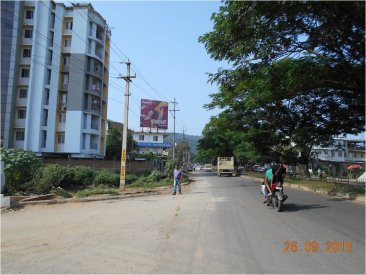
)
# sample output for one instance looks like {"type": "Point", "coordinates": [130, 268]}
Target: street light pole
{"type": "Point", "coordinates": [174, 110]}
{"type": "Point", "coordinates": [122, 179]}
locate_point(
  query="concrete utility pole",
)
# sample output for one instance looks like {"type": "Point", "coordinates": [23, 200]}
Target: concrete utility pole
{"type": "Point", "coordinates": [174, 110]}
{"type": "Point", "coordinates": [122, 178]}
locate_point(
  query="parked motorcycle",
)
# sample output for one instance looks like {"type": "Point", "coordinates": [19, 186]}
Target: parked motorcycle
{"type": "Point", "coordinates": [278, 197]}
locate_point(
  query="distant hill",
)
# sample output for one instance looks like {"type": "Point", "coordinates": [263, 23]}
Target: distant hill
{"type": "Point", "coordinates": [192, 140]}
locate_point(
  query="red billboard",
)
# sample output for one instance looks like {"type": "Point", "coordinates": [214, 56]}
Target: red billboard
{"type": "Point", "coordinates": [154, 114]}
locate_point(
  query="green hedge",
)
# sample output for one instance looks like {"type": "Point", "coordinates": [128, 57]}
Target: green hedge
{"type": "Point", "coordinates": [51, 176]}
{"type": "Point", "coordinates": [107, 178]}
{"type": "Point", "coordinates": [83, 175]}
{"type": "Point", "coordinates": [19, 167]}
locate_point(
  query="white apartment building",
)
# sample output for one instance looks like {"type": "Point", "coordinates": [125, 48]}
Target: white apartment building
{"type": "Point", "coordinates": [55, 68]}
{"type": "Point", "coordinates": [342, 150]}
{"type": "Point", "coordinates": [153, 142]}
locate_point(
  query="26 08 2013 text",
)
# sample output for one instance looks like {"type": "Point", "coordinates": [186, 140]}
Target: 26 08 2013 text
{"type": "Point", "coordinates": [317, 247]}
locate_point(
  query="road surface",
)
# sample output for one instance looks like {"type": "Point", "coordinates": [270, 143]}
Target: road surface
{"type": "Point", "coordinates": [219, 225]}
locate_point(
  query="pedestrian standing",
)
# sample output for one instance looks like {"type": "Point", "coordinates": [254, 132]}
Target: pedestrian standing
{"type": "Point", "coordinates": [177, 174]}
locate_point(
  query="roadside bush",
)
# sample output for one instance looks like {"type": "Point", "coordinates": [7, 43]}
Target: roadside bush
{"type": "Point", "coordinates": [83, 175]}
{"type": "Point", "coordinates": [19, 167]}
{"type": "Point", "coordinates": [169, 167]}
{"type": "Point", "coordinates": [155, 176]}
{"type": "Point", "coordinates": [62, 193]}
{"type": "Point", "coordinates": [131, 178]}
{"type": "Point", "coordinates": [106, 177]}
{"type": "Point", "coordinates": [51, 176]}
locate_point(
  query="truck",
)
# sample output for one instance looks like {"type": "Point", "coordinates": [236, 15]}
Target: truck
{"type": "Point", "coordinates": [208, 167]}
{"type": "Point", "coordinates": [225, 166]}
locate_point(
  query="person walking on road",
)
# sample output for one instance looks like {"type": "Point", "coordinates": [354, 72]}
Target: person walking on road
{"type": "Point", "coordinates": [177, 174]}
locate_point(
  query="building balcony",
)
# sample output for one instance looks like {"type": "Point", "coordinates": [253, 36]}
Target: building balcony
{"type": "Point", "coordinates": [27, 41]}
{"type": "Point", "coordinates": [68, 32]}
{"type": "Point", "coordinates": [19, 123]}
{"type": "Point", "coordinates": [23, 81]}
{"type": "Point", "coordinates": [66, 50]}
{"type": "Point", "coordinates": [60, 147]}
{"type": "Point", "coordinates": [61, 127]}
{"type": "Point", "coordinates": [25, 61]}
{"type": "Point", "coordinates": [19, 144]}
{"type": "Point", "coordinates": [22, 101]}
{"type": "Point", "coordinates": [64, 87]}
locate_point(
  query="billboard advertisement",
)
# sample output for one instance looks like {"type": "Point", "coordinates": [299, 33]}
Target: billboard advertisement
{"type": "Point", "coordinates": [154, 114]}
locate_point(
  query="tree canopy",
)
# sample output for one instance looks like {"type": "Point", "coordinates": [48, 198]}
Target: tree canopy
{"type": "Point", "coordinates": [297, 75]}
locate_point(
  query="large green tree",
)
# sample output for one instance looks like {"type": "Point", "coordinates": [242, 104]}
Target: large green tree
{"type": "Point", "coordinates": [297, 75]}
{"type": "Point", "coordinates": [114, 142]}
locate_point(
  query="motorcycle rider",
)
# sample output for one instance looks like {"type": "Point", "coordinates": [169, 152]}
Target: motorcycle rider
{"type": "Point", "coordinates": [273, 175]}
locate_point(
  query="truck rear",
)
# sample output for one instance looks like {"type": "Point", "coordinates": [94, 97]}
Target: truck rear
{"type": "Point", "coordinates": [225, 166]}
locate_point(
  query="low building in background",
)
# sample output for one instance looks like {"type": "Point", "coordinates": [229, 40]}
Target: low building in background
{"type": "Point", "coordinates": [151, 142]}
{"type": "Point", "coordinates": [342, 150]}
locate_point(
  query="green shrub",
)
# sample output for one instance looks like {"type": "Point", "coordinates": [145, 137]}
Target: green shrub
{"type": "Point", "coordinates": [62, 193]}
{"type": "Point", "coordinates": [131, 178]}
{"type": "Point", "coordinates": [51, 176]}
{"type": "Point", "coordinates": [106, 177]}
{"type": "Point", "coordinates": [19, 167]}
{"type": "Point", "coordinates": [82, 175]}
{"type": "Point", "coordinates": [169, 167]}
{"type": "Point", "coordinates": [155, 176]}
{"type": "Point", "coordinates": [140, 182]}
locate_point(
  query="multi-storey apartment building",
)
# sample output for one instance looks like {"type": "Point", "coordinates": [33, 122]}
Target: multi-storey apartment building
{"type": "Point", "coordinates": [55, 66]}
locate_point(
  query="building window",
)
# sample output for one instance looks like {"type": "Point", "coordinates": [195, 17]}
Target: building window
{"type": "Point", "coordinates": [155, 138]}
{"type": "Point", "coordinates": [66, 60]}
{"type": "Point", "coordinates": [25, 73]}
{"type": "Point", "coordinates": [63, 98]}
{"type": "Point", "coordinates": [333, 153]}
{"type": "Point", "coordinates": [340, 154]}
{"type": "Point", "coordinates": [22, 114]}
{"type": "Point", "coordinates": [23, 93]}
{"type": "Point", "coordinates": [85, 122]}
{"type": "Point", "coordinates": [19, 135]}
{"type": "Point", "coordinates": [27, 52]}
{"type": "Point", "coordinates": [44, 138]}
{"type": "Point", "coordinates": [62, 118]}
{"type": "Point", "coordinates": [48, 76]}
{"type": "Point", "coordinates": [141, 137]}
{"type": "Point", "coordinates": [45, 117]}
{"type": "Point", "coordinates": [29, 14]}
{"type": "Point", "coordinates": [84, 141]}
{"type": "Point", "coordinates": [65, 78]}
{"type": "Point", "coordinates": [68, 25]}
{"type": "Point", "coordinates": [67, 43]}
{"type": "Point", "coordinates": [61, 138]}
{"type": "Point", "coordinates": [51, 38]}
{"type": "Point", "coordinates": [46, 96]}
{"type": "Point", "coordinates": [28, 33]}
{"type": "Point", "coordinates": [53, 16]}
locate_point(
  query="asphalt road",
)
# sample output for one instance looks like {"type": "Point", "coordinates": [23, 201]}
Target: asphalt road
{"type": "Point", "coordinates": [218, 225]}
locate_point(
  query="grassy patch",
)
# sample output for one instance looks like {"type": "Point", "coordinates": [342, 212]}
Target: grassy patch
{"type": "Point", "coordinates": [96, 191]}
{"type": "Point", "coordinates": [144, 183]}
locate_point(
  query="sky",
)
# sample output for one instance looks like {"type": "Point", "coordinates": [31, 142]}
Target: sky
{"type": "Point", "coordinates": [160, 38]}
